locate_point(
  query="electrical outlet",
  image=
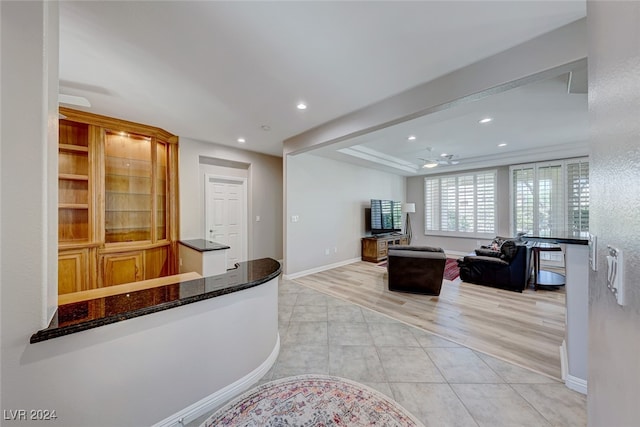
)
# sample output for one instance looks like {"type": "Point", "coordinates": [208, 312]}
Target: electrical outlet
{"type": "Point", "coordinates": [257, 218]}
{"type": "Point", "coordinates": [335, 249]}
{"type": "Point", "coordinates": [326, 251]}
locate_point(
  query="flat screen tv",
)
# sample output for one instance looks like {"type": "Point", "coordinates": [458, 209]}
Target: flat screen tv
{"type": "Point", "coordinates": [386, 216]}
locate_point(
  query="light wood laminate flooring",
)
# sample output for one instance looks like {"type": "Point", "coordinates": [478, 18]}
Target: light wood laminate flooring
{"type": "Point", "coordinates": [526, 328]}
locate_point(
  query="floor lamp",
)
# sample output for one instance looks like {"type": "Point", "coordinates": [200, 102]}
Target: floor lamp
{"type": "Point", "coordinates": [409, 208]}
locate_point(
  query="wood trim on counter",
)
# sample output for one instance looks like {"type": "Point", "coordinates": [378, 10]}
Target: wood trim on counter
{"type": "Point", "coordinates": [126, 288]}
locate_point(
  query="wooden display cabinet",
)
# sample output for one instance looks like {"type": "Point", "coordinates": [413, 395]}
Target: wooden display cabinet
{"type": "Point", "coordinates": [374, 248]}
{"type": "Point", "coordinates": [118, 184]}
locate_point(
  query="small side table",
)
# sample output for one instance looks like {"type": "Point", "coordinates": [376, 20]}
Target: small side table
{"type": "Point", "coordinates": [543, 277]}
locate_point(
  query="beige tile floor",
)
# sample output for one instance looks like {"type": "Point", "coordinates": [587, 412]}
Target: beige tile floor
{"type": "Point", "coordinates": [440, 382]}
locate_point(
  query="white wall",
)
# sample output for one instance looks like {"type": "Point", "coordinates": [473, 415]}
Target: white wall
{"type": "Point", "coordinates": [144, 370]}
{"type": "Point", "coordinates": [614, 108]}
{"type": "Point", "coordinates": [264, 189]}
{"type": "Point", "coordinates": [329, 197]}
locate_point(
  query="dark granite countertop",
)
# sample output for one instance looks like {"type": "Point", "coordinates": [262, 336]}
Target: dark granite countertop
{"type": "Point", "coordinates": [567, 238]}
{"type": "Point", "coordinates": [202, 245]}
{"type": "Point", "coordinates": [81, 316]}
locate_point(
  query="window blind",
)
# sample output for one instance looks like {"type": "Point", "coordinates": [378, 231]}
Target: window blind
{"type": "Point", "coordinates": [551, 206]}
{"type": "Point", "coordinates": [578, 196]}
{"type": "Point", "coordinates": [550, 198]}
{"type": "Point", "coordinates": [523, 200]}
{"type": "Point", "coordinates": [461, 203]}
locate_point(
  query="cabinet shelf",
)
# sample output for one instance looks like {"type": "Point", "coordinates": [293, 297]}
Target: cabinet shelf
{"type": "Point", "coordinates": [115, 229]}
{"type": "Point", "coordinates": [126, 193]}
{"type": "Point", "coordinates": [73, 206]}
{"type": "Point", "coordinates": [73, 177]}
{"type": "Point", "coordinates": [128, 210]}
{"type": "Point", "coordinates": [116, 175]}
{"type": "Point", "coordinates": [73, 148]}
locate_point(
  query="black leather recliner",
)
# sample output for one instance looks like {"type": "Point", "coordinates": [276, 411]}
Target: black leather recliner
{"type": "Point", "coordinates": [508, 268]}
{"type": "Point", "coordinates": [415, 269]}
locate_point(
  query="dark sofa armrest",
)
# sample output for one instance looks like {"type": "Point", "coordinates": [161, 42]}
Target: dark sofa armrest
{"type": "Point", "coordinates": [416, 248]}
{"type": "Point", "coordinates": [394, 254]}
{"type": "Point", "coordinates": [488, 252]}
{"type": "Point", "coordinates": [485, 260]}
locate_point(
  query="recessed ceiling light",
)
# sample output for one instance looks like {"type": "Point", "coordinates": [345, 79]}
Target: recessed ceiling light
{"type": "Point", "coordinates": [485, 120]}
{"type": "Point", "coordinates": [411, 138]}
{"type": "Point", "coordinates": [443, 155]}
{"type": "Point", "coordinates": [301, 106]}
{"type": "Point", "coordinates": [265, 128]}
{"type": "Point", "coordinates": [502, 144]}
{"type": "Point", "coordinates": [241, 141]}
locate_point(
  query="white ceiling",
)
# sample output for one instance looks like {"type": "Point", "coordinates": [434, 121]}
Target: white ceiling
{"type": "Point", "coordinates": [538, 121]}
{"type": "Point", "coordinates": [217, 71]}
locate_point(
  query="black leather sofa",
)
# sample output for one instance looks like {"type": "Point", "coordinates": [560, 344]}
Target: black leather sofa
{"type": "Point", "coordinates": [415, 269]}
{"type": "Point", "coordinates": [505, 268]}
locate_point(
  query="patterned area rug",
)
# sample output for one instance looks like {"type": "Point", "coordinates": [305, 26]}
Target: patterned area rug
{"type": "Point", "coordinates": [451, 269]}
{"type": "Point", "coordinates": [312, 400]}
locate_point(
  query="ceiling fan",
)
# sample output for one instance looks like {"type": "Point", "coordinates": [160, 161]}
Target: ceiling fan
{"type": "Point", "coordinates": [432, 162]}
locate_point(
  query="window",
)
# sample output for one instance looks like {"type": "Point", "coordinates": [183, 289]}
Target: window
{"type": "Point", "coordinates": [578, 197]}
{"type": "Point", "coordinates": [550, 198]}
{"type": "Point", "coordinates": [460, 204]}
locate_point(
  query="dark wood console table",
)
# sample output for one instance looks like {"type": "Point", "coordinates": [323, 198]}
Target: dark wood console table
{"type": "Point", "coordinates": [374, 248]}
{"type": "Point", "coordinates": [541, 277]}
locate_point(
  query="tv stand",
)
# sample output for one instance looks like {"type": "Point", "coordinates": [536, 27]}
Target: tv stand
{"type": "Point", "coordinates": [374, 248]}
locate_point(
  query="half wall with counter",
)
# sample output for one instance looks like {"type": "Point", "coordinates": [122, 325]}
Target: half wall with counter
{"type": "Point", "coordinates": [202, 256]}
{"type": "Point", "coordinates": [575, 347]}
{"type": "Point", "coordinates": [175, 351]}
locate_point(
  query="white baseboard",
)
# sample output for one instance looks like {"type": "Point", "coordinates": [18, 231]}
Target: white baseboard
{"type": "Point", "coordinates": [319, 269]}
{"type": "Point", "coordinates": [216, 399]}
{"type": "Point", "coordinates": [576, 384]}
{"type": "Point", "coordinates": [563, 360]}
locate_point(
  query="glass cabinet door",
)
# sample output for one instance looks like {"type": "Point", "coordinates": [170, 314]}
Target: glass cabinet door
{"type": "Point", "coordinates": [128, 187]}
{"type": "Point", "coordinates": [161, 191]}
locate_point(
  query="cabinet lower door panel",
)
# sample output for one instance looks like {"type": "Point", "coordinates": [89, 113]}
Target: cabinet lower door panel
{"type": "Point", "coordinates": [122, 268]}
{"type": "Point", "coordinates": [72, 271]}
{"type": "Point", "coordinates": [156, 262]}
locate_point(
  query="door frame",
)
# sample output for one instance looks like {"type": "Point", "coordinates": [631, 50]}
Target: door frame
{"type": "Point", "coordinates": [208, 177]}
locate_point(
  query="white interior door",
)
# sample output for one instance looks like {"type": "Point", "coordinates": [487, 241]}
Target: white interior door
{"type": "Point", "coordinates": [225, 213]}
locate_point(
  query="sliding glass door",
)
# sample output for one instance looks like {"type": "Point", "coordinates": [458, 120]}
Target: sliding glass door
{"type": "Point", "coordinates": [550, 199]}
